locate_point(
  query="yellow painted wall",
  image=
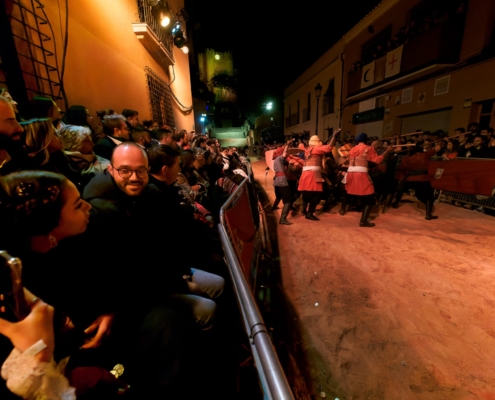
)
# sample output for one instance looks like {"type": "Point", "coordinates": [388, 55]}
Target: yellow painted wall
{"type": "Point", "coordinates": [105, 60]}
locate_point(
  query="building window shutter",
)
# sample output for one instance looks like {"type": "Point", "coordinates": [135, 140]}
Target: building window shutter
{"type": "Point", "coordinates": [407, 95]}
{"type": "Point", "coordinates": [442, 85]}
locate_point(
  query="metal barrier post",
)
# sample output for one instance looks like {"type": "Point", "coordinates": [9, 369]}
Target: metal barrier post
{"type": "Point", "coordinates": [272, 376]}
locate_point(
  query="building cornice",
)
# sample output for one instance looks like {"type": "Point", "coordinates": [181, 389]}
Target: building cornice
{"type": "Point", "coordinates": [371, 17]}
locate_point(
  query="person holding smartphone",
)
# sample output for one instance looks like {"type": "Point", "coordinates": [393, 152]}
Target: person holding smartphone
{"type": "Point", "coordinates": [30, 371]}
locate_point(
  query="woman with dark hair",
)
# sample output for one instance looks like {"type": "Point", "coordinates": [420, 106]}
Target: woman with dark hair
{"type": "Point", "coordinates": [45, 107]}
{"type": "Point", "coordinates": [98, 128]}
{"type": "Point", "coordinates": [78, 115]}
{"type": "Point", "coordinates": [451, 150]}
{"type": "Point", "coordinates": [38, 210]}
{"type": "Point", "coordinates": [43, 223]}
{"type": "Point", "coordinates": [187, 178]}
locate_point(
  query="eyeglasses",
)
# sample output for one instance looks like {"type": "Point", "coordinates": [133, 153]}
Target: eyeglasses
{"type": "Point", "coordinates": [126, 173]}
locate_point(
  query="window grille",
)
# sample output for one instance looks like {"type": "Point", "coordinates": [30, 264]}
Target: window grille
{"type": "Point", "coordinates": [36, 48]}
{"type": "Point", "coordinates": [160, 97]}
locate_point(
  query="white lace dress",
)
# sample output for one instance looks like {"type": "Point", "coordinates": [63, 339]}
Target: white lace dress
{"type": "Point", "coordinates": [34, 380]}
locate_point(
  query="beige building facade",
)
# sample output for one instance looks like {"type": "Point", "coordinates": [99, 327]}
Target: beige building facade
{"type": "Point", "coordinates": [407, 66]}
{"type": "Point", "coordinates": [300, 103]}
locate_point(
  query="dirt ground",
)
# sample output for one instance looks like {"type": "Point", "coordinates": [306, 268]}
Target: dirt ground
{"type": "Point", "coordinates": [404, 310]}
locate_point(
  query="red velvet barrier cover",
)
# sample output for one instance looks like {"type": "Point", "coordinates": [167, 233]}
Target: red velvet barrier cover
{"type": "Point", "coordinates": [240, 223]}
{"type": "Point", "coordinates": [468, 176]}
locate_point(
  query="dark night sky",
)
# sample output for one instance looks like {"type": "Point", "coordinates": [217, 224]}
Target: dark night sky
{"type": "Point", "coordinates": [272, 42]}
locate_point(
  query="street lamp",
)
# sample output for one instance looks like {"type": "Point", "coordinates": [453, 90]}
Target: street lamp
{"type": "Point", "coordinates": [202, 119]}
{"type": "Point", "coordinates": [318, 94]}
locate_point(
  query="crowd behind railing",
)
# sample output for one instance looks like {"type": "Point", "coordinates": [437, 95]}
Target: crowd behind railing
{"type": "Point", "coordinates": [389, 185]}
{"type": "Point", "coordinates": [115, 222]}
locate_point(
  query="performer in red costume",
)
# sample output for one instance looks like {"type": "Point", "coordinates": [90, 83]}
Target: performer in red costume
{"type": "Point", "coordinates": [357, 181]}
{"type": "Point", "coordinates": [311, 182]}
{"type": "Point", "coordinates": [414, 170]}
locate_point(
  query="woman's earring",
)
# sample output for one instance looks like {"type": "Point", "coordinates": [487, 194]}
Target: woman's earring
{"type": "Point", "coordinates": [53, 241]}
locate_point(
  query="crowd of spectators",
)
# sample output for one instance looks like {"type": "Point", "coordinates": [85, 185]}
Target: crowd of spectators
{"type": "Point", "coordinates": [115, 223]}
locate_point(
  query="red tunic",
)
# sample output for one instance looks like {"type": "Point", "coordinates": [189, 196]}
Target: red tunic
{"type": "Point", "coordinates": [359, 183]}
{"type": "Point", "coordinates": [312, 180]}
{"type": "Point", "coordinates": [295, 164]}
{"type": "Point", "coordinates": [415, 168]}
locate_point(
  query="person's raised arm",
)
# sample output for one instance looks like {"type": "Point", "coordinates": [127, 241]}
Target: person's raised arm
{"type": "Point", "coordinates": [334, 137]}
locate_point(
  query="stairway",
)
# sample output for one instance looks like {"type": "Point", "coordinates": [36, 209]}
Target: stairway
{"type": "Point", "coordinates": [230, 136]}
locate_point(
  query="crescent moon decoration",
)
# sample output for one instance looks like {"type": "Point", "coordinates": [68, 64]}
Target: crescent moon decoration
{"type": "Point", "coordinates": [365, 75]}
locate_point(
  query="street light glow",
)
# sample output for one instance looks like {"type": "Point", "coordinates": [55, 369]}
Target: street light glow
{"type": "Point", "coordinates": [165, 20]}
{"type": "Point", "coordinates": [269, 106]}
{"type": "Point", "coordinates": [202, 119]}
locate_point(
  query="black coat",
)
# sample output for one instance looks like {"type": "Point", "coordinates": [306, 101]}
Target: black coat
{"type": "Point", "coordinates": [139, 237]}
{"type": "Point", "coordinates": [104, 147]}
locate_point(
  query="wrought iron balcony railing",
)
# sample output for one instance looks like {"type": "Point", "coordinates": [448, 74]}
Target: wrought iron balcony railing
{"type": "Point", "coordinates": [150, 16]}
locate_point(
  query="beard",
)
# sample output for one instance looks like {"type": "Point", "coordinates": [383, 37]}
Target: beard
{"type": "Point", "coordinates": [9, 144]}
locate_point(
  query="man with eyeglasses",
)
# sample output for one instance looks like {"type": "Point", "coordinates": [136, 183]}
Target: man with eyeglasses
{"type": "Point", "coordinates": [116, 131]}
{"type": "Point", "coordinates": [145, 230]}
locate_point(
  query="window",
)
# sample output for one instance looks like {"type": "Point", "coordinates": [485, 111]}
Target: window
{"type": "Point", "coordinates": [160, 96]}
{"type": "Point", "coordinates": [306, 113]}
{"type": "Point", "coordinates": [442, 85]}
{"type": "Point", "coordinates": [380, 101]}
{"type": "Point", "coordinates": [407, 95]}
{"type": "Point", "coordinates": [329, 98]}
{"type": "Point", "coordinates": [487, 110]}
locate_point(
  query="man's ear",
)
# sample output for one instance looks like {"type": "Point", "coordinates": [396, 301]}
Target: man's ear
{"type": "Point", "coordinates": [164, 170]}
{"type": "Point", "coordinates": [110, 168]}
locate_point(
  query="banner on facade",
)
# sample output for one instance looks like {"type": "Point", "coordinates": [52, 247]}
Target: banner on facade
{"type": "Point", "coordinates": [394, 58]}
{"type": "Point", "coordinates": [368, 77]}
{"type": "Point", "coordinates": [380, 69]}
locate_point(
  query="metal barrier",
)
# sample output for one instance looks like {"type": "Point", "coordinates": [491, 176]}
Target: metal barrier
{"type": "Point", "coordinates": [272, 377]}
{"type": "Point", "coordinates": [478, 201]}
{"type": "Point", "coordinates": [466, 180]}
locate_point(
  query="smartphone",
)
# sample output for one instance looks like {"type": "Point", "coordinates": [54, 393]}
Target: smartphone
{"type": "Point", "coordinates": [14, 301]}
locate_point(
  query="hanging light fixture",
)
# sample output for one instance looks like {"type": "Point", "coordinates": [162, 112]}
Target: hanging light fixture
{"type": "Point", "coordinates": [164, 19]}
{"type": "Point", "coordinates": [185, 49]}
{"type": "Point", "coordinates": [179, 35]}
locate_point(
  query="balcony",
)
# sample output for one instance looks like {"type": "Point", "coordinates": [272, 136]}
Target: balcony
{"type": "Point", "coordinates": [154, 38]}
{"type": "Point", "coordinates": [306, 114]}
{"type": "Point", "coordinates": [421, 56]}
{"type": "Point", "coordinates": [291, 120]}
